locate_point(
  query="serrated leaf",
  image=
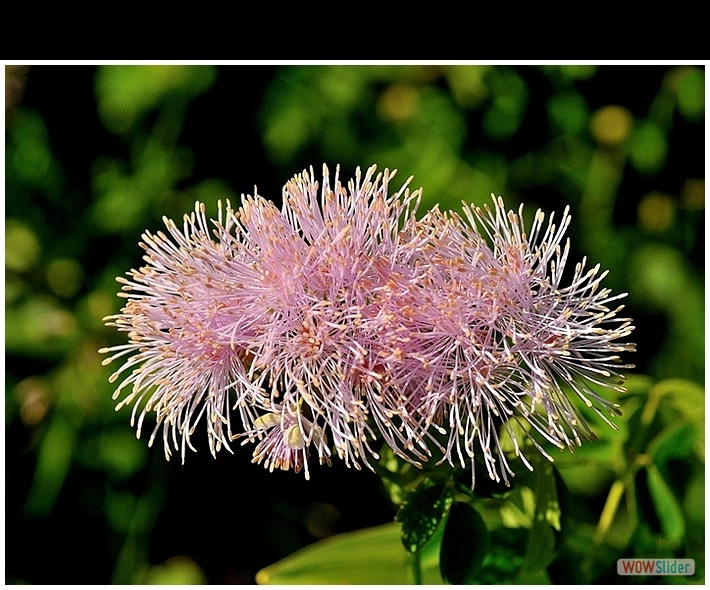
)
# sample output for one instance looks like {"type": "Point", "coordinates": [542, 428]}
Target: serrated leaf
{"type": "Point", "coordinates": [464, 546]}
{"type": "Point", "coordinates": [421, 514]}
{"type": "Point", "coordinates": [369, 556]}
{"type": "Point", "coordinates": [668, 510]}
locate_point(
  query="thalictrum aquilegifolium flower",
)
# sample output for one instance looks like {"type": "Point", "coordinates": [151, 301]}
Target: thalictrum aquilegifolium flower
{"type": "Point", "coordinates": [342, 321]}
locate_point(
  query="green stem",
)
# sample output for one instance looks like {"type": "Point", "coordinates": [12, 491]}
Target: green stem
{"type": "Point", "coordinates": [417, 567]}
{"type": "Point", "coordinates": [609, 511]}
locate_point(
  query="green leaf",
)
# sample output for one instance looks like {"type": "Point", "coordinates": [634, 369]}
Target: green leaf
{"type": "Point", "coordinates": [540, 550]}
{"type": "Point", "coordinates": [422, 513]}
{"type": "Point", "coordinates": [541, 546]}
{"type": "Point", "coordinates": [518, 510]}
{"type": "Point", "coordinates": [688, 400]}
{"type": "Point", "coordinates": [368, 556]}
{"type": "Point", "coordinates": [668, 510]}
{"type": "Point", "coordinates": [672, 443]}
{"type": "Point", "coordinates": [547, 504]}
{"type": "Point", "coordinates": [504, 561]}
{"type": "Point", "coordinates": [464, 546]}
{"type": "Point", "coordinates": [565, 503]}
{"type": "Point", "coordinates": [686, 397]}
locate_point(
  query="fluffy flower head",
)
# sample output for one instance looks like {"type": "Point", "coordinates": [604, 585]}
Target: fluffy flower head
{"type": "Point", "coordinates": [341, 322]}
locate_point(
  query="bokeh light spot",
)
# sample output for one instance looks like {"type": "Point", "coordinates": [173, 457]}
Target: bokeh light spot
{"type": "Point", "coordinates": [611, 125]}
{"type": "Point", "coordinates": [22, 248]}
{"type": "Point", "coordinates": [693, 193]}
{"type": "Point", "coordinates": [33, 396]}
{"type": "Point", "coordinates": [64, 276]}
{"type": "Point", "coordinates": [656, 212]}
{"type": "Point", "coordinates": [398, 103]}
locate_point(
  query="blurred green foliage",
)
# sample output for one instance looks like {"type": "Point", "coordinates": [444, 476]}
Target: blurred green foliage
{"type": "Point", "coordinates": [94, 156]}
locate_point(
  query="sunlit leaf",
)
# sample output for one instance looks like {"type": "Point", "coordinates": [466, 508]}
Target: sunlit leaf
{"type": "Point", "coordinates": [369, 556]}
{"type": "Point", "coordinates": [518, 510]}
{"type": "Point", "coordinates": [547, 508]}
{"type": "Point", "coordinates": [541, 545]}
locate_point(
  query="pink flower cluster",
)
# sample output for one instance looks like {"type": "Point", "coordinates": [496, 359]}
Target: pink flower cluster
{"type": "Point", "coordinates": [341, 321]}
